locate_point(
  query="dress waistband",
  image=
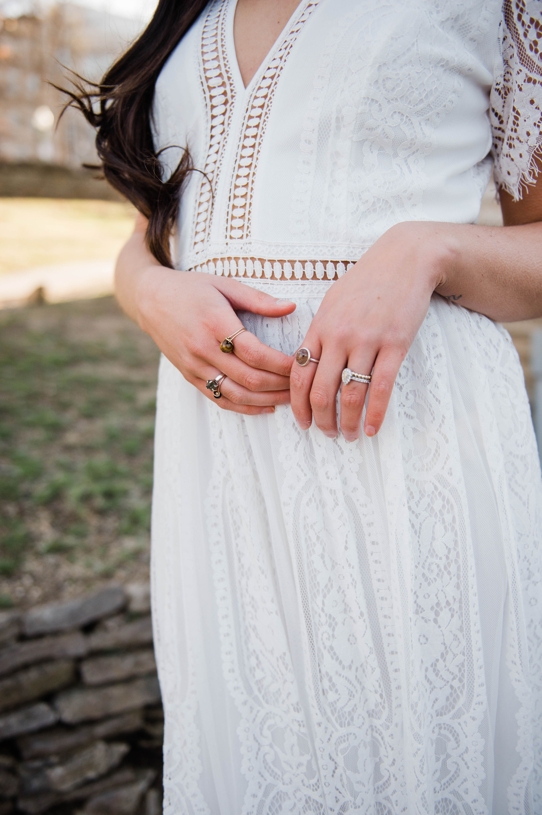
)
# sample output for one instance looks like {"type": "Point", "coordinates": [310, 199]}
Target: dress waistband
{"type": "Point", "coordinates": [275, 270]}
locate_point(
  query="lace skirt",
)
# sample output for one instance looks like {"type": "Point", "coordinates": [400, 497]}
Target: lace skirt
{"type": "Point", "coordinates": [353, 628]}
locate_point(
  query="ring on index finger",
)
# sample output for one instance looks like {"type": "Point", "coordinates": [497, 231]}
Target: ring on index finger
{"type": "Point", "coordinates": [303, 357]}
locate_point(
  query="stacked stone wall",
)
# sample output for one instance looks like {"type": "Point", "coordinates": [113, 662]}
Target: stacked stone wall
{"type": "Point", "coordinates": [81, 722]}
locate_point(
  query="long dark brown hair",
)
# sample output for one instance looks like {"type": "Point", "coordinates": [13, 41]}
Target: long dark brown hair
{"type": "Point", "coordinates": [120, 108]}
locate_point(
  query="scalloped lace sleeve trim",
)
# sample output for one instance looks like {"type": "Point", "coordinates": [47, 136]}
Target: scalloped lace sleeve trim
{"type": "Point", "coordinates": [516, 98]}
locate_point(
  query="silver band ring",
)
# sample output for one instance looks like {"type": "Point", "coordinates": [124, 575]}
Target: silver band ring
{"type": "Point", "coordinates": [351, 376]}
{"type": "Point", "coordinates": [227, 346]}
{"type": "Point", "coordinates": [303, 357]}
{"type": "Point", "coordinates": [214, 385]}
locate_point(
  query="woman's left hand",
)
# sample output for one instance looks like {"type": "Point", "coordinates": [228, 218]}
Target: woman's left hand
{"type": "Point", "coordinates": [367, 322]}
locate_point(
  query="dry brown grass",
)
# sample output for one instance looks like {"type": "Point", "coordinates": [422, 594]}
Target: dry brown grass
{"type": "Point", "coordinates": [46, 231]}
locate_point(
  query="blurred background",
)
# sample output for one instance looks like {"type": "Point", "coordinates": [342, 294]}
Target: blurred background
{"type": "Point", "coordinates": [78, 378]}
{"type": "Point", "coordinates": [77, 403]}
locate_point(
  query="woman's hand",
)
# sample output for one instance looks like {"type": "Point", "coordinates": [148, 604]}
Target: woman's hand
{"type": "Point", "coordinates": [188, 314]}
{"type": "Point", "coordinates": [367, 322]}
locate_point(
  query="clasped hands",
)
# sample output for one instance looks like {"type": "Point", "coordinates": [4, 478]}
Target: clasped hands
{"type": "Point", "coordinates": [367, 321]}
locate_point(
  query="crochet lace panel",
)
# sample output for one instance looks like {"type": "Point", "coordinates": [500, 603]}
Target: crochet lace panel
{"type": "Point", "coordinates": [516, 98]}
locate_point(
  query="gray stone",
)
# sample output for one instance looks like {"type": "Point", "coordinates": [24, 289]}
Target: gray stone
{"type": "Point", "coordinates": [10, 625]}
{"type": "Point", "coordinates": [26, 653]}
{"type": "Point", "coordinates": [62, 739]}
{"type": "Point", "coordinates": [101, 670]}
{"type": "Point", "coordinates": [75, 613]}
{"type": "Point", "coordinates": [127, 636]}
{"type": "Point", "coordinates": [65, 774]}
{"type": "Point", "coordinates": [153, 804]}
{"type": "Point", "coordinates": [9, 784]}
{"type": "Point", "coordinates": [88, 704]}
{"type": "Point", "coordinates": [36, 804]}
{"type": "Point", "coordinates": [118, 779]}
{"type": "Point", "coordinates": [35, 682]}
{"type": "Point", "coordinates": [87, 764]}
{"type": "Point", "coordinates": [139, 598]}
{"type": "Point", "coordinates": [122, 801]}
{"type": "Point", "coordinates": [27, 720]}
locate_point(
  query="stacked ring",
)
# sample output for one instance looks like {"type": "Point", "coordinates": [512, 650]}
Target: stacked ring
{"type": "Point", "coordinates": [351, 376]}
{"type": "Point", "coordinates": [214, 385]}
{"type": "Point", "coordinates": [227, 346]}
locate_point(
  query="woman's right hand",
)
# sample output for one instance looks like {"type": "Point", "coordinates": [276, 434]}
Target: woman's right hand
{"type": "Point", "coordinates": [188, 314]}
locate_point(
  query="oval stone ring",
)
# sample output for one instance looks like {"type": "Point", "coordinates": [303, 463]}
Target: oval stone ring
{"type": "Point", "coordinates": [303, 357]}
{"type": "Point", "coordinates": [227, 346]}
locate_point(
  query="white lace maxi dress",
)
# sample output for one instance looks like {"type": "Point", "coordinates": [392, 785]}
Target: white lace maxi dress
{"type": "Point", "coordinates": [351, 628]}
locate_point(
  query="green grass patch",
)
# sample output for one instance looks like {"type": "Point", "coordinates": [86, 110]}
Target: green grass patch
{"type": "Point", "coordinates": [76, 436]}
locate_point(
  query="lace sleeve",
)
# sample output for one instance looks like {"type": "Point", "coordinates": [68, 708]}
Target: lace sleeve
{"type": "Point", "coordinates": [516, 98]}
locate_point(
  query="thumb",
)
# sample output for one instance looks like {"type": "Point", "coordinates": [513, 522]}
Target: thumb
{"type": "Point", "coordinates": [246, 298]}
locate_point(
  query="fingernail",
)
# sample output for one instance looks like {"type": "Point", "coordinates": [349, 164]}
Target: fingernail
{"type": "Point", "coordinates": [285, 303]}
{"type": "Point", "coordinates": [350, 438]}
{"type": "Point", "coordinates": [331, 435]}
{"type": "Point", "coordinates": [370, 431]}
{"type": "Point", "coordinates": [304, 425]}
{"type": "Point", "coordinates": [268, 410]}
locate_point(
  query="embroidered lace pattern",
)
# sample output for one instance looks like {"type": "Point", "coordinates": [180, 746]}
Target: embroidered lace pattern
{"type": "Point", "coordinates": [372, 547]}
{"type": "Point", "coordinates": [219, 91]}
{"type": "Point", "coordinates": [275, 269]}
{"type": "Point", "coordinates": [516, 98]}
{"type": "Point", "coordinates": [253, 131]}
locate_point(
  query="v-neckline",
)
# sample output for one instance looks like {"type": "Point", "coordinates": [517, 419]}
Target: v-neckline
{"type": "Point", "coordinates": [241, 89]}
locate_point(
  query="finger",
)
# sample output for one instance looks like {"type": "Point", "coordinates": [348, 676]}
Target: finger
{"type": "Point", "coordinates": [225, 404]}
{"type": "Point", "coordinates": [257, 354]}
{"type": "Point", "coordinates": [301, 378]}
{"type": "Point", "coordinates": [241, 396]}
{"type": "Point", "coordinates": [253, 379]}
{"type": "Point", "coordinates": [353, 394]}
{"type": "Point", "coordinates": [246, 298]}
{"type": "Point", "coordinates": [385, 372]}
{"type": "Point", "coordinates": [323, 395]}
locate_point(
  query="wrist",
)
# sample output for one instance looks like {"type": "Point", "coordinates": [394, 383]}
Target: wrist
{"type": "Point", "coordinates": [436, 247]}
{"type": "Point", "coordinates": [149, 282]}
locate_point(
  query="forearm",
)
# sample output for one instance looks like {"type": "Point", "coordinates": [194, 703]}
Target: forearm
{"type": "Point", "coordinates": [496, 271]}
{"type": "Point", "coordinates": [134, 264]}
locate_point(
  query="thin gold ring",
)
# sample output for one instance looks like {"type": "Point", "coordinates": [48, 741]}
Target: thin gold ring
{"type": "Point", "coordinates": [227, 346]}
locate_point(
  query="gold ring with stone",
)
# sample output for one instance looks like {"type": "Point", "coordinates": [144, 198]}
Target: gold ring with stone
{"type": "Point", "coordinates": [303, 357]}
{"type": "Point", "coordinates": [350, 376]}
{"type": "Point", "coordinates": [227, 346]}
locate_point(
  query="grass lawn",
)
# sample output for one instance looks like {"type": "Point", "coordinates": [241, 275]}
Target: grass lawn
{"type": "Point", "coordinates": [46, 231]}
{"type": "Point", "coordinates": [76, 433]}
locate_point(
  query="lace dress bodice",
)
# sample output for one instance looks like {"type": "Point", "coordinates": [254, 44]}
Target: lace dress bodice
{"type": "Point", "coordinates": [362, 115]}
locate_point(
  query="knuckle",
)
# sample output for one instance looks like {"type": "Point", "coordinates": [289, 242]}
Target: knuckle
{"type": "Point", "coordinates": [381, 387]}
{"type": "Point", "coordinates": [253, 382]}
{"type": "Point", "coordinates": [320, 399]}
{"type": "Point", "coordinates": [234, 396]}
{"type": "Point", "coordinates": [297, 380]}
{"type": "Point", "coordinates": [351, 398]}
{"type": "Point", "coordinates": [253, 356]}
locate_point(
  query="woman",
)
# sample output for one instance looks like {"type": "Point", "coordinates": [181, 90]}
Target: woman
{"type": "Point", "coordinates": [346, 579]}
